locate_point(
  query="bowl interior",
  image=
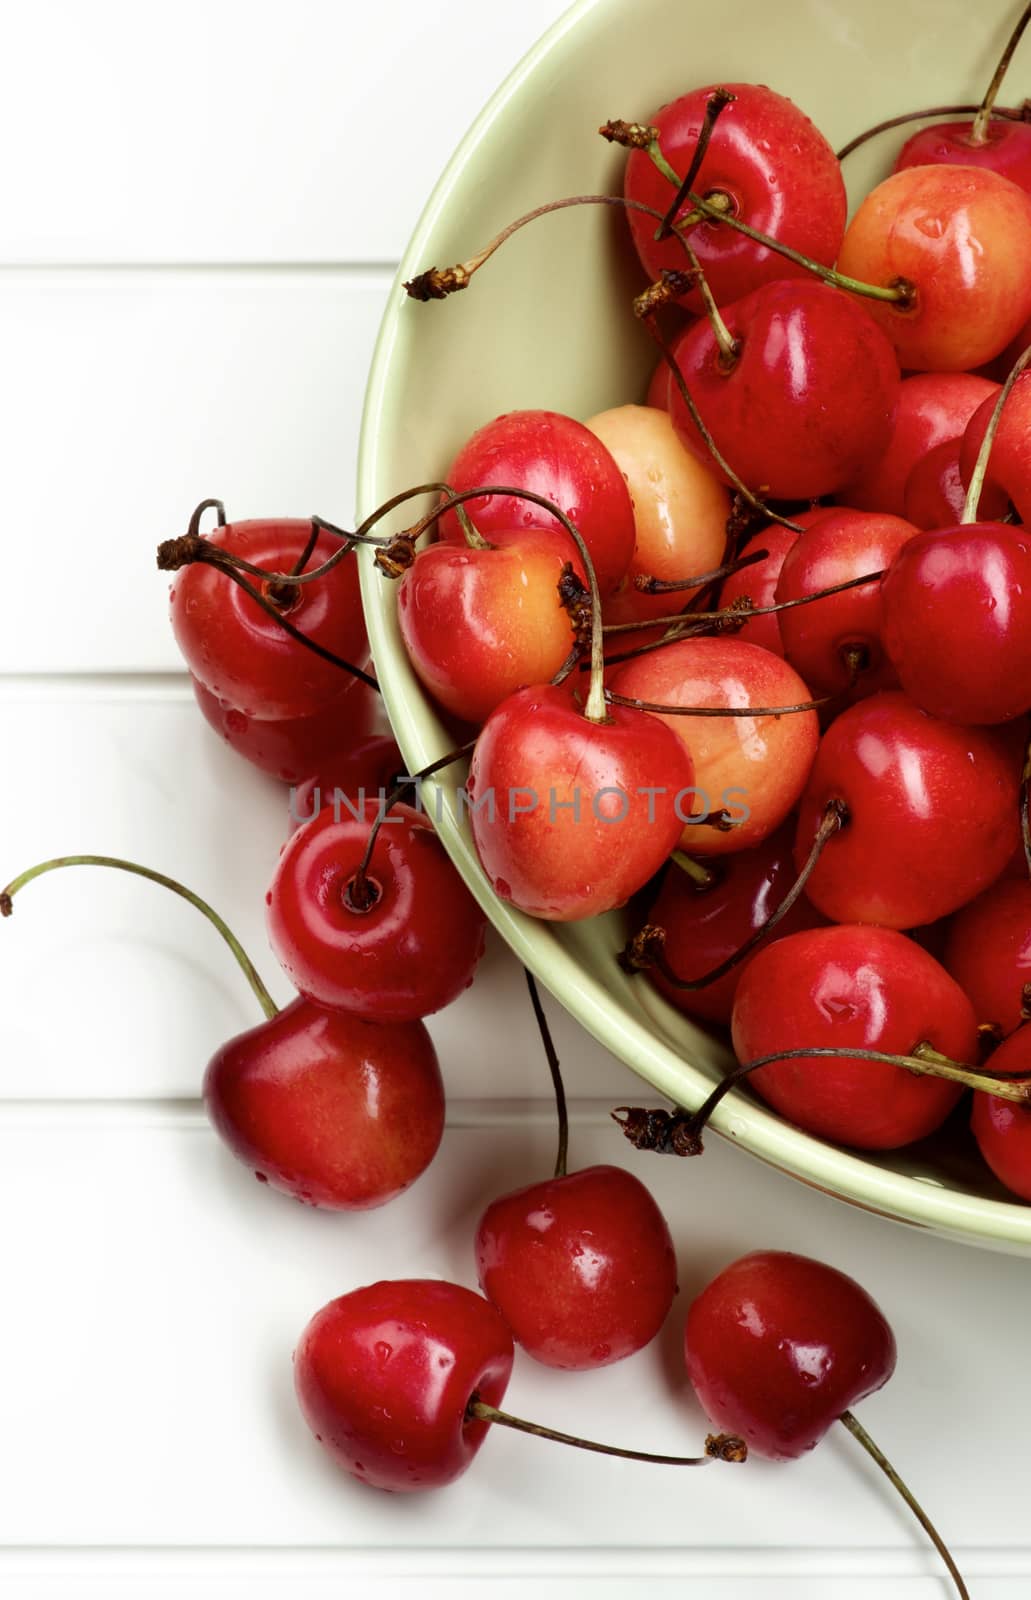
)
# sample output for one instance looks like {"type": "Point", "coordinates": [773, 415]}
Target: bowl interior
{"type": "Point", "coordinates": [548, 323]}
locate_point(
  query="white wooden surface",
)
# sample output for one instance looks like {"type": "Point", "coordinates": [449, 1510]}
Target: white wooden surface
{"type": "Point", "coordinates": [199, 209]}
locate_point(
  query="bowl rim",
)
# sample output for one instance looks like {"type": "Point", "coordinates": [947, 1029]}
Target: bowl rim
{"type": "Point", "coordinates": [838, 1172]}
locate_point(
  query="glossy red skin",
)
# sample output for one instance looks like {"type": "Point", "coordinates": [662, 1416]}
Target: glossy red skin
{"type": "Point", "coordinates": [962, 237]}
{"type": "Point", "coordinates": [932, 813]}
{"type": "Point", "coordinates": [778, 1346]}
{"type": "Point", "coordinates": [336, 1111]}
{"type": "Point", "coordinates": [555, 456]}
{"type": "Point", "coordinates": [838, 546]}
{"type": "Point", "coordinates": [384, 1376]}
{"type": "Point", "coordinates": [413, 952]}
{"type": "Point", "coordinates": [705, 926]}
{"type": "Point", "coordinates": [776, 166]}
{"type": "Point", "coordinates": [368, 769]}
{"type": "Point", "coordinates": [758, 584]}
{"type": "Point", "coordinates": [856, 986]}
{"type": "Point", "coordinates": [1002, 1128]}
{"type": "Point", "coordinates": [933, 408]}
{"type": "Point", "coordinates": [957, 621]}
{"type": "Point", "coordinates": [1007, 149]}
{"type": "Point", "coordinates": [936, 494]}
{"type": "Point", "coordinates": [242, 655]}
{"type": "Point", "coordinates": [479, 624]}
{"type": "Point", "coordinates": [988, 951]}
{"type": "Point", "coordinates": [292, 749]}
{"type": "Point", "coordinates": [564, 869]}
{"type": "Point", "coordinates": [581, 1267]}
{"type": "Point", "coordinates": [810, 399]}
{"type": "Point", "coordinates": [1009, 465]}
{"type": "Point", "coordinates": [760, 762]}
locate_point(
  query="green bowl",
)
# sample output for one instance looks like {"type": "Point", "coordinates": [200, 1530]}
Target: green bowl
{"type": "Point", "coordinates": [548, 324]}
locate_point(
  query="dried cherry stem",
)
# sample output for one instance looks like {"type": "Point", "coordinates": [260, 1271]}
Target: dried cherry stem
{"type": "Point", "coordinates": [979, 131]}
{"type": "Point", "coordinates": [246, 965]}
{"type": "Point", "coordinates": [648, 947]}
{"type": "Point", "coordinates": [858, 1432]}
{"type": "Point", "coordinates": [740, 609]}
{"type": "Point", "coordinates": [548, 1042]}
{"type": "Point", "coordinates": [972, 502]}
{"type": "Point", "coordinates": [361, 894]}
{"type": "Point", "coordinates": [650, 585]}
{"type": "Point", "coordinates": [717, 103]}
{"type": "Point", "coordinates": [1010, 113]}
{"type": "Point", "coordinates": [718, 1446]}
{"type": "Point", "coordinates": [715, 711]}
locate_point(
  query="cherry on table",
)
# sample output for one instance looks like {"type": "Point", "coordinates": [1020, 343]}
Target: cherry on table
{"type": "Point", "coordinates": [370, 768]}
{"type": "Point", "coordinates": [293, 748]}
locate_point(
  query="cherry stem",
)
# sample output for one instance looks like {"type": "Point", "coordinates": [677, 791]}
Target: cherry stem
{"type": "Point", "coordinates": [856, 1429]}
{"type": "Point", "coordinates": [718, 1446]}
{"type": "Point", "coordinates": [246, 965]}
{"type": "Point", "coordinates": [647, 948]}
{"type": "Point", "coordinates": [658, 709]}
{"type": "Point", "coordinates": [556, 1074]}
{"type": "Point", "coordinates": [729, 613]}
{"type": "Point", "coordinates": [714, 106]}
{"type": "Point", "coordinates": [971, 504]}
{"type": "Point", "coordinates": [1025, 808]}
{"type": "Point", "coordinates": [650, 585]}
{"type": "Point", "coordinates": [361, 894]}
{"type": "Point", "coordinates": [1010, 113]}
{"type": "Point", "coordinates": [701, 876]}
{"type": "Point", "coordinates": [729, 347]}
{"type": "Point", "coordinates": [305, 555]}
{"type": "Point", "coordinates": [979, 131]}
{"type": "Point", "coordinates": [193, 530]}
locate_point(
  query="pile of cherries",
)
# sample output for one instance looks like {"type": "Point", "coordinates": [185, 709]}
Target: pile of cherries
{"type": "Point", "coordinates": [753, 659]}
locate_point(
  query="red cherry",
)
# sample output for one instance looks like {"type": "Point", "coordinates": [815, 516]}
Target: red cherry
{"type": "Point", "coordinates": [294, 748]}
{"type": "Point", "coordinates": [385, 1374]}
{"type": "Point", "coordinates": [243, 656]}
{"type": "Point", "coordinates": [988, 951]}
{"type": "Point", "coordinates": [936, 495]}
{"type": "Point", "coordinates": [1002, 1128]}
{"type": "Point", "coordinates": [706, 923]}
{"type": "Point", "coordinates": [835, 643]}
{"type": "Point", "coordinates": [415, 947]}
{"type": "Point", "coordinates": [479, 624]}
{"type": "Point", "coordinates": [372, 765]}
{"type": "Point", "coordinates": [776, 171]}
{"type": "Point", "coordinates": [758, 584]}
{"type": "Point", "coordinates": [957, 621]}
{"type": "Point", "coordinates": [779, 1346]}
{"type": "Point", "coordinates": [571, 817]}
{"type": "Point", "coordinates": [581, 1267]}
{"type": "Point", "coordinates": [962, 237]}
{"type": "Point", "coordinates": [852, 986]}
{"type": "Point", "coordinates": [752, 768]}
{"type": "Point", "coordinates": [557, 457]}
{"type": "Point", "coordinates": [932, 813]}
{"type": "Point", "coordinates": [1006, 150]}
{"type": "Point", "coordinates": [1009, 464]}
{"type": "Point", "coordinates": [933, 408]}
{"type": "Point", "coordinates": [336, 1111]}
{"type": "Point", "coordinates": [680, 511]}
{"type": "Point", "coordinates": [808, 401]}
{"type": "Point", "coordinates": [658, 386]}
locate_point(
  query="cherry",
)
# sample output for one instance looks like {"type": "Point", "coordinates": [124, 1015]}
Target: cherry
{"type": "Point", "coordinates": [758, 584]}
{"type": "Point", "coordinates": [935, 494]}
{"type": "Point", "coordinates": [571, 816]}
{"type": "Point", "coordinates": [297, 746]}
{"type": "Point", "coordinates": [478, 623]}
{"type": "Point", "coordinates": [852, 985]}
{"type": "Point", "coordinates": [766, 163]}
{"type": "Point", "coordinates": [708, 913]}
{"type": "Point", "coordinates": [988, 951]}
{"type": "Point", "coordinates": [933, 408]}
{"type": "Point", "coordinates": [1003, 1129]}
{"type": "Point", "coordinates": [961, 236]}
{"type": "Point", "coordinates": [680, 508]}
{"type": "Point", "coordinates": [753, 768]}
{"type": "Point", "coordinates": [658, 387]}
{"type": "Point", "coordinates": [779, 1346]}
{"type": "Point", "coordinates": [1009, 465]}
{"type": "Point", "coordinates": [238, 652]}
{"type": "Point", "coordinates": [392, 942]}
{"type": "Point", "coordinates": [932, 813]}
{"type": "Point", "coordinates": [370, 768]}
{"type": "Point", "coordinates": [556, 457]}
{"type": "Point", "coordinates": [384, 1376]}
{"type": "Point", "coordinates": [807, 400]}
{"type": "Point", "coordinates": [329, 1108]}
{"type": "Point", "coordinates": [835, 643]}
{"type": "Point", "coordinates": [957, 621]}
